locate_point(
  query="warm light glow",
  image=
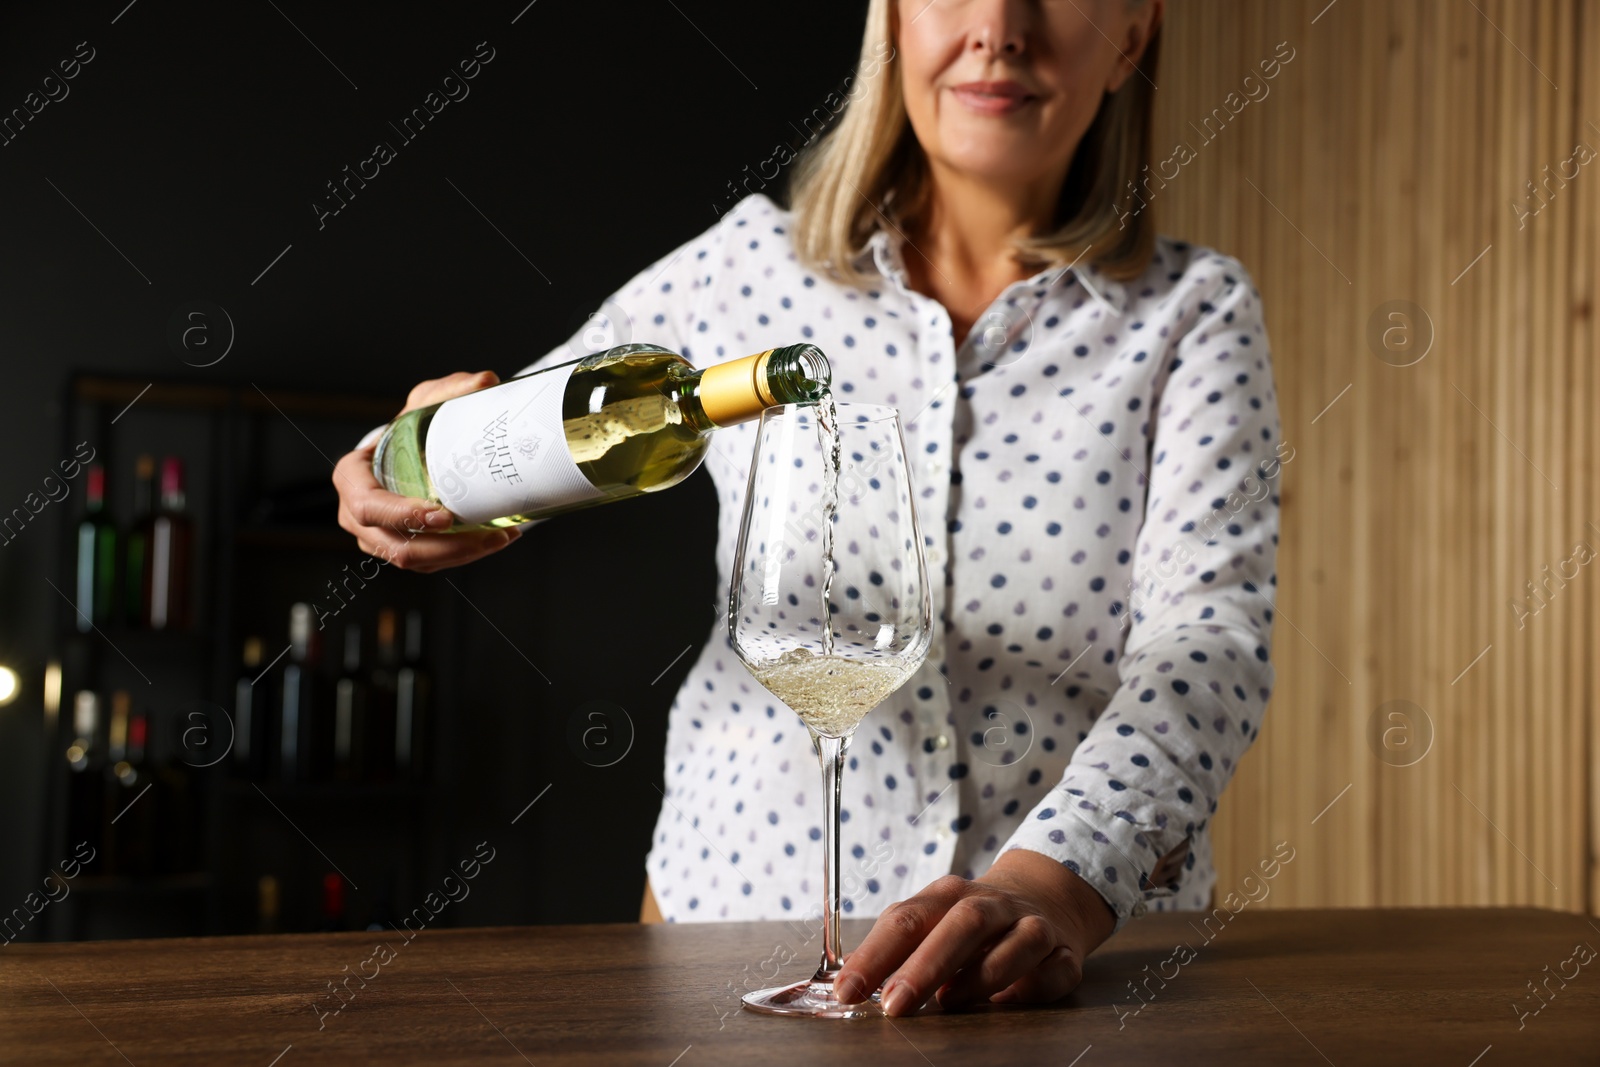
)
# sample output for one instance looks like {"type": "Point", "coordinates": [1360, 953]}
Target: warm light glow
{"type": "Point", "coordinates": [8, 685]}
{"type": "Point", "coordinates": [52, 691]}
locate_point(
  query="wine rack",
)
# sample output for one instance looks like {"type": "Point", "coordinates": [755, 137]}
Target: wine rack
{"type": "Point", "coordinates": [188, 829]}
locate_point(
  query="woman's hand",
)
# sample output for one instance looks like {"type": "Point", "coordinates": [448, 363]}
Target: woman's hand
{"type": "Point", "coordinates": [1019, 934]}
{"type": "Point", "coordinates": [402, 530]}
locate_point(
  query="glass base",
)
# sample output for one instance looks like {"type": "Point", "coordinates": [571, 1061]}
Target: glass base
{"type": "Point", "coordinates": [814, 997]}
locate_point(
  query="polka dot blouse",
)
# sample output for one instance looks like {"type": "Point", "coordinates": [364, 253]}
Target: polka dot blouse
{"type": "Point", "coordinates": [1096, 472]}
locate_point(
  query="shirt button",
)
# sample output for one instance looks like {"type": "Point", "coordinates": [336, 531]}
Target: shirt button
{"type": "Point", "coordinates": [1139, 908]}
{"type": "Point", "coordinates": [941, 833]}
{"type": "Point", "coordinates": [942, 741]}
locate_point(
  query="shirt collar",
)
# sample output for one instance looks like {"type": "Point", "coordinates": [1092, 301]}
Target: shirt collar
{"type": "Point", "coordinates": [883, 248]}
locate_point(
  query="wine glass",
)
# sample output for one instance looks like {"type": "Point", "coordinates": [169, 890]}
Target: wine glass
{"type": "Point", "coordinates": [829, 609]}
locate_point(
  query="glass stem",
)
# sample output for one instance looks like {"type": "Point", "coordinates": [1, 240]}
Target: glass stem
{"type": "Point", "coordinates": [830, 753]}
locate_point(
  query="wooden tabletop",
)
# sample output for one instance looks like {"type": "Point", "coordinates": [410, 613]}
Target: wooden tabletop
{"type": "Point", "coordinates": [1271, 986]}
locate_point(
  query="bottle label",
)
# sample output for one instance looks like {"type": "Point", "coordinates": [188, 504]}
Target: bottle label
{"type": "Point", "coordinates": [503, 451]}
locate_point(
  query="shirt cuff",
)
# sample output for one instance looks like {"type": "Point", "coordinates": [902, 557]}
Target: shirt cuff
{"type": "Point", "coordinates": [1099, 841]}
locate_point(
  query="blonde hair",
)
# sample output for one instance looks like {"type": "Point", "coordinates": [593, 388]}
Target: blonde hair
{"type": "Point", "coordinates": [871, 157]}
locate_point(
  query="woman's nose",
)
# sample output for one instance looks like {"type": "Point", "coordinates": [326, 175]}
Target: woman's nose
{"type": "Point", "coordinates": [998, 27]}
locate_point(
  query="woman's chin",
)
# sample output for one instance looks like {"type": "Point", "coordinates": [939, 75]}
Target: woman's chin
{"type": "Point", "coordinates": [995, 165]}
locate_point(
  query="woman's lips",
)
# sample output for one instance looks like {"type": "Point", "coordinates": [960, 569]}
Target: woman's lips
{"type": "Point", "coordinates": [993, 98]}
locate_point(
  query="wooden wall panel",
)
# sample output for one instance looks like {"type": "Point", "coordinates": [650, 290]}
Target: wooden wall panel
{"type": "Point", "coordinates": [1384, 165]}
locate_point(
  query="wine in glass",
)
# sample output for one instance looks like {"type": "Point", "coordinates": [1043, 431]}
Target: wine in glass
{"type": "Point", "coordinates": [829, 608]}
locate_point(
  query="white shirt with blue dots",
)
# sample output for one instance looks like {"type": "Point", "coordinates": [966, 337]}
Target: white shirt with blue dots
{"type": "Point", "coordinates": [1098, 466]}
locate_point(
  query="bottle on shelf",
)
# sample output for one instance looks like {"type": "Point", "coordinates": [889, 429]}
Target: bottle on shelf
{"type": "Point", "coordinates": [97, 557]}
{"type": "Point", "coordinates": [166, 584]}
{"type": "Point", "coordinates": [267, 905]}
{"type": "Point", "coordinates": [251, 722]}
{"type": "Point", "coordinates": [177, 848]}
{"type": "Point", "coordinates": [332, 901]}
{"type": "Point", "coordinates": [137, 569]}
{"type": "Point", "coordinates": [381, 698]}
{"type": "Point", "coordinates": [413, 688]}
{"type": "Point", "coordinates": [130, 818]}
{"type": "Point", "coordinates": [351, 727]}
{"type": "Point", "coordinates": [86, 787]}
{"type": "Point", "coordinates": [300, 713]}
{"type": "Point", "coordinates": [630, 420]}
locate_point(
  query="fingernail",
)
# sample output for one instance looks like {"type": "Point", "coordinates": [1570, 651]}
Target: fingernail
{"type": "Point", "coordinates": [897, 999]}
{"type": "Point", "coordinates": [512, 533]}
{"type": "Point", "coordinates": [1005, 996]}
{"type": "Point", "coordinates": [849, 989]}
{"type": "Point", "coordinates": [438, 517]}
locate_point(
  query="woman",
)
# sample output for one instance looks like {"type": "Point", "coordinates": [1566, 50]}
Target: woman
{"type": "Point", "coordinates": [1092, 421]}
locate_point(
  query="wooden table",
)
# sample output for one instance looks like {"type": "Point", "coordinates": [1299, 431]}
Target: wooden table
{"type": "Point", "coordinates": [1272, 986]}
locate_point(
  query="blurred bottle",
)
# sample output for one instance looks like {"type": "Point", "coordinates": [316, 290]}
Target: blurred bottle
{"type": "Point", "coordinates": [130, 814]}
{"type": "Point", "coordinates": [413, 688]}
{"type": "Point", "coordinates": [135, 578]}
{"type": "Point", "coordinates": [166, 596]}
{"type": "Point", "coordinates": [97, 557]}
{"type": "Point", "coordinates": [267, 905]}
{"type": "Point", "coordinates": [300, 716]}
{"type": "Point", "coordinates": [332, 902]}
{"type": "Point", "coordinates": [251, 727]}
{"type": "Point", "coordinates": [351, 734]}
{"type": "Point", "coordinates": [384, 690]}
{"type": "Point", "coordinates": [86, 787]}
{"type": "Point", "coordinates": [177, 847]}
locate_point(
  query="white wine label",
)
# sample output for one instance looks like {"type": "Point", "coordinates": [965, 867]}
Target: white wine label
{"type": "Point", "coordinates": [503, 451]}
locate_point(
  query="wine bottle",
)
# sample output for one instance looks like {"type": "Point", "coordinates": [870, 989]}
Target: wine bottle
{"type": "Point", "coordinates": [299, 714]}
{"type": "Point", "coordinates": [166, 598]}
{"type": "Point", "coordinates": [130, 814]}
{"type": "Point", "coordinates": [177, 847]}
{"type": "Point", "coordinates": [116, 765]}
{"type": "Point", "coordinates": [630, 420]}
{"type": "Point", "coordinates": [97, 557]}
{"type": "Point", "coordinates": [86, 787]}
{"type": "Point", "coordinates": [135, 574]}
{"type": "Point", "coordinates": [250, 718]}
{"type": "Point", "coordinates": [413, 687]}
{"type": "Point", "coordinates": [351, 736]}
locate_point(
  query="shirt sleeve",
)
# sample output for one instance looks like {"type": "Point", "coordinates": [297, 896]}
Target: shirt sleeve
{"type": "Point", "coordinates": [1195, 670]}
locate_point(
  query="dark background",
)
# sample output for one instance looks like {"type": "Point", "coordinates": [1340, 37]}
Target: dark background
{"type": "Point", "coordinates": [196, 141]}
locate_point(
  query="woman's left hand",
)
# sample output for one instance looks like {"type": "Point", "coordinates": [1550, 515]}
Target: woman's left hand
{"type": "Point", "coordinates": [1018, 934]}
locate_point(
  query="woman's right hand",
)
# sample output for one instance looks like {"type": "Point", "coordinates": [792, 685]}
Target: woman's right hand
{"type": "Point", "coordinates": [402, 530]}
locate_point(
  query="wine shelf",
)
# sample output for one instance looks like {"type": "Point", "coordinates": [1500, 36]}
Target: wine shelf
{"type": "Point", "coordinates": [261, 504]}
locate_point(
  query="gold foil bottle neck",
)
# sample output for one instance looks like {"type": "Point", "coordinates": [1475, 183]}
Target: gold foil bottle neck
{"type": "Point", "coordinates": [736, 391]}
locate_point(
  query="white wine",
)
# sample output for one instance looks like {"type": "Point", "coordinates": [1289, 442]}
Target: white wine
{"type": "Point", "coordinates": [630, 420]}
{"type": "Point", "coordinates": [828, 437]}
{"type": "Point", "coordinates": [831, 694]}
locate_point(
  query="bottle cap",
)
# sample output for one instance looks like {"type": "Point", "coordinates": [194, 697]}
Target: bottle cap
{"type": "Point", "coordinates": [267, 897]}
{"type": "Point", "coordinates": [172, 476]}
{"type": "Point", "coordinates": [300, 620]}
{"type": "Point", "coordinates": [413, 635]}
{"type": "Point", "coordinates": [741, 389]}
{"type": "Point", "coordinates": [97, 485]}
{"type": "Point", "coordinates": [332, 896]}
{"type": "Point", "coordinates": [85, 713]}
{"type": "Point", "coordinates": [736, 391]}
{"type": "Point", "coordinates": [117, 736]}
{"type": "Point", "coordinates": [352, 647]}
